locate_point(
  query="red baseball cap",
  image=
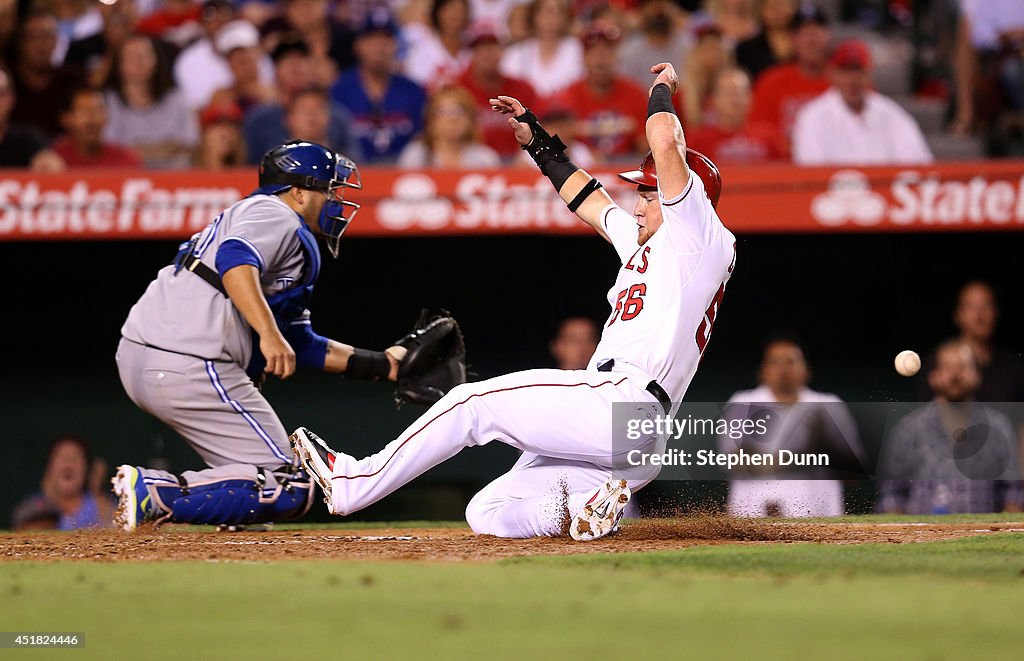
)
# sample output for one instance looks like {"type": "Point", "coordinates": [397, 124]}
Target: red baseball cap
{"type": "Point", "coordinates": [483, 32]}
{"type": "Point", "coordinates": [222, 112]}
{"type": "Point", "coordinates": [852, 54]}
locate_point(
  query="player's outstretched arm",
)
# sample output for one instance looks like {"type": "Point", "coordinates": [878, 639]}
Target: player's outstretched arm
{"type": "Point", "coordinates": [580, 191]}
{"type": "Point", "coordinates": [665, 133]}
{"type": "Point", "coordinates": [242, 283]}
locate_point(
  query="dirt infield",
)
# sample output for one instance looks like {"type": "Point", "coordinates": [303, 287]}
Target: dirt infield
{"type": "Point", "coordinates": [454, 544]}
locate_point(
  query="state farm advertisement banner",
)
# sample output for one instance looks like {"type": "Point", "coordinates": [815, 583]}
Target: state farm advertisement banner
{"type": "Point", "coordinates": [132, 204]}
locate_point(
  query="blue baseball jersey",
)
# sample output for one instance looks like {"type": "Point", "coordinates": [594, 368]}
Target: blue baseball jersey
{"type": "Point", "coordinates": [382, 129]}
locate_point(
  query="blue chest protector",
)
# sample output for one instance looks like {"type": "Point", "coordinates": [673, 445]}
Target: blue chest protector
{"type": "Point", "coordinates": [288, 307]}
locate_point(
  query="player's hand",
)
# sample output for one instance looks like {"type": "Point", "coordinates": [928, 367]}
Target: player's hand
{"type": "Point", "coordinates": [508, 105]}
{"type": "Point", "coordinates": [395, 355]}
{"type": "Point", "coordinates": [666, 74]}
{"type": "Point", "coordinates": [279, 355]}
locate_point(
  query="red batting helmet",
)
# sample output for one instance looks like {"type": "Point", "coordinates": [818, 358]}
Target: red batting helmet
{"type": "Point", "coordinates": [699, 165]}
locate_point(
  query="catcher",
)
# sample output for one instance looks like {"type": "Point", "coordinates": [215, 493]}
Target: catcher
{"type": "Point", "coordinates": [231, 309]}
{"type": "Point", "coordinates": [575, 472]}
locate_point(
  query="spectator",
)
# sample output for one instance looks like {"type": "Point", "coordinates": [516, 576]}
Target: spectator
{"type": "Point", "coordinates": [264, 127]}
{"type": "Point", "coordinates": [146, 112]}
{"type": "Point", "coordinates": [574, 344]}
{"type": "Point", "coordinates": [330, 42]}
{"type": "Point", "coordinates": [708, 57]}
{"type": "Point", "coordinates": [851, 124]}
{"type": "Point", "coordinates": [953, 455]}
{"type": "Point", "coordinates": [800, 420]}
{"type": "Point", "coordinates": [551, 59]}
{"type": "Point", "coordinates": [783, 89]}
{"type": "Point", "coordinates": [95, 54]}
{"type": "Point", "coordinates": [989, 73]}
{"type": "Point", "coordinates": [21, 147]}
{"type": "Point", "coordinates": [1002, 371]}
{"type": "Point", "coordinates": [439, 54]}
{"type": "Point", "coordinates": [659, 39]}
{"type": "Point", "coordinates": [387, 108]}
{"type": "Point", "coordinates": [730, 138]}
{"type": "Point", "coordinates": [76, 19]}
{"type": "Point", "coordinates": [84, 119]}
{"type": "Point", "coordinates": [220, 143]}
{"type": "Point", "coordinates": [451, 138]}
{"type": "Point", "coordinates": [610, 109]}
{"type": "Point", "coordinates": [773, 44]}
{"type": "Point", "coordinates": [484, 80]}
{"type": "Point", "coordinates": [72, 488]}
{"type": "Point", "coordinates": [40, 88]}
{"type": "Point", "coordinates": [239, 43]}
{"type": "Point", "coordinates": [200, 70]}
{"type": "Point", "coordinates": [734, 17]}
{"type": "Point", "coordinates": [176, 22]}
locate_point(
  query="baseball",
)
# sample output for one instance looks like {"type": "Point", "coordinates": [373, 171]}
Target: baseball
{"type": "Point", "coordinates": [908, 362]}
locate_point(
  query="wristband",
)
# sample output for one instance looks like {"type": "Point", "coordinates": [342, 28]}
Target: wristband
{"type": "Point", "coordinates": [368, 365]}
{"type": "Point", "coordinates": [660, 101]}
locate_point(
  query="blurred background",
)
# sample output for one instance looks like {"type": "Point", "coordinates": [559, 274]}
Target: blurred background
{"type": "Point", "coordinates": [868, 151]}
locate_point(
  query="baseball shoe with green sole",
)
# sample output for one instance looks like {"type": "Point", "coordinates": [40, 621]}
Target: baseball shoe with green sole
{"type": "Point", "coordinates": [601, 515]}
{"type": "Point", "coordinates": [134, 504]}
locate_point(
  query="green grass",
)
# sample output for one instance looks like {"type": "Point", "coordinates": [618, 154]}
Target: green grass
{"type": "Point", "coordinates": [940, 600]}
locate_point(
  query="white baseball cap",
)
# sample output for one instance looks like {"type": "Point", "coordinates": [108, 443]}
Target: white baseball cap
{"type": "Point", "coordinates": [236, 34]}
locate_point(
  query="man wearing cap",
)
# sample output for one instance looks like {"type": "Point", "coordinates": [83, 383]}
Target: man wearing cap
{"type": "Point", "coordinates": [610, 107]}
{"type": "Point", "coordinates": [201, 69]}
{"type": "Point", "coordinates": [851, 124]}
{"type": "Point", "coordinates": [484, 80]}
{"type": "Point", "coordinates": [239, 43]}
{"type": "Point", "coordinates": [387, 108]}
{"type": "Point", "coordinates": [781, 90]}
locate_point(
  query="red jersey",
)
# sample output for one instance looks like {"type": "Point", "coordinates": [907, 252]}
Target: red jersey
{"type": "Point", "coordinates": [753, 143]}
{"type": "Point", "coordinates": [110, 156]}
{"type": "Point", "coordinates": [494, 126]}
{"type": "Point", "coordinates": [611, 124]}
{"type": "Point", "coordinates": [780, 92]}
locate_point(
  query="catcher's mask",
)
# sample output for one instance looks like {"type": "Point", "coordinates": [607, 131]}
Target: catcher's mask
{"type": "Point", "coordinates": [314, 167]}
{"type": "Point", "coordinates": [699, 164]}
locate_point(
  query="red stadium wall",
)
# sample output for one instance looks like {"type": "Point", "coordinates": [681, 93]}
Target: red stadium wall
{"type": "Point", "coordinates": [132, 205]}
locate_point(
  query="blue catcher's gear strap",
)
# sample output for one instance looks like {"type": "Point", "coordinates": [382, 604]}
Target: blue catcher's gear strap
{"type": "Point", "coordinates": [236, 501]}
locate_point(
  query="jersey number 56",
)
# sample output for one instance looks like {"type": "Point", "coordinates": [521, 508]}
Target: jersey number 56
{"type": "Point", "coordinates": [629, 303]}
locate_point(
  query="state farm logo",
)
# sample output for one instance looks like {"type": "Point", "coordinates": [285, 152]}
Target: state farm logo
{"type": "Point", "coordinates": [916, 198]}
{"type": "Point", "coordinates": [849, 197]}
{"type": "Point", "coordinates": [414, 201]}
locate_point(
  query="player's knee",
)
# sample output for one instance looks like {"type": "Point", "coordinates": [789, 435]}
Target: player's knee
{"type": "Point", "coordinates": [480, 515]}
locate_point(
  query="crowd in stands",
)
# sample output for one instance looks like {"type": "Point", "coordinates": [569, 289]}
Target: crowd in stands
{"type": "Point", "coordinates": [214, 84]}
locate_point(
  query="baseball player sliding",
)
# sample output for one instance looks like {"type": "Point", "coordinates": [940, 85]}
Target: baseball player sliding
{"type": "Point", "coordinates": [676, 259]}
{"type": "Point", "coordinates": [231, 308]}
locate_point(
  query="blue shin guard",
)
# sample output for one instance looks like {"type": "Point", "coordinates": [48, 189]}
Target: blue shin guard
{"type": "Point", "coordinates": [262, 497]}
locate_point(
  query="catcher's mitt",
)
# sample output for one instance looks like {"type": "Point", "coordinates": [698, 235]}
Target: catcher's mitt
{"type": "Point", "coordinates": [435, 361]}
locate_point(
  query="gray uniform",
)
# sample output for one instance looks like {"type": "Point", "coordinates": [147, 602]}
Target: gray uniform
{"type": "Point", "coordinates": [185, 347]}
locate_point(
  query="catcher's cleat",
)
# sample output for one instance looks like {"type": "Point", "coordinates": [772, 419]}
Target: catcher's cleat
{"type": "Point", "coordinates": [317, 458]}
{"type": "Point", "coordinates": [601, 515]}
{"type": "Point", "coordinates": [134, 504]}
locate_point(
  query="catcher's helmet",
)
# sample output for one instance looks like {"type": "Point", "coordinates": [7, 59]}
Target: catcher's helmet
{"type": "Point", "coordinates": [313, 167]}
{"type": "Point", "coordinates": [698, 163]}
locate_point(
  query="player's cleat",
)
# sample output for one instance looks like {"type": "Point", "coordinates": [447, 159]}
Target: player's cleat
{"type": "Point", "coordinates": [317, 458]}
{"type": "Point", "coordinates": [601, 515]}
{"type": "Point", "coordinates": [134, 504]}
